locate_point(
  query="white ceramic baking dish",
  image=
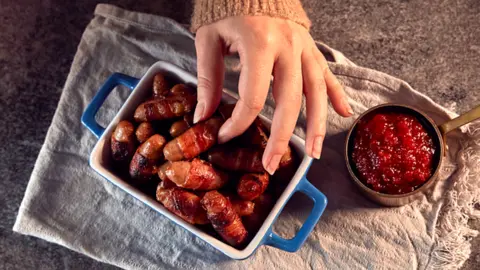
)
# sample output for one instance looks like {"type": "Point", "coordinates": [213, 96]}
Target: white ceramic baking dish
{"type": "Point", "coordinates": [100, 162]}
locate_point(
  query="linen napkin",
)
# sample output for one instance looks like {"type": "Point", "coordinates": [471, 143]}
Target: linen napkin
{"type": "Point", "coordinates": [67, 203]}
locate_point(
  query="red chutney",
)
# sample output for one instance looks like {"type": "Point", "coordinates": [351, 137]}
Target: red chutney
{"type": "Point", "coordinates": [393, 153]}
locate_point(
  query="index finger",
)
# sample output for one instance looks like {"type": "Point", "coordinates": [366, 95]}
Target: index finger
{"type": "Point", "coordinates": [252, 88]}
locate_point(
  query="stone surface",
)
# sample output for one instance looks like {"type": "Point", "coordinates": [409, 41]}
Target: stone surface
{"type": "Point", "coordinates": [434, 45]}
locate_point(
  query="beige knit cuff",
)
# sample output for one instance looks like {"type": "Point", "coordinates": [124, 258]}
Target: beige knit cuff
{"type": "Point", "coordinates": [210, 11]}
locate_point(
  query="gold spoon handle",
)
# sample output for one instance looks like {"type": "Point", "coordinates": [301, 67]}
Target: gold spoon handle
{"type": "Point", "coordinates": [463, 119]}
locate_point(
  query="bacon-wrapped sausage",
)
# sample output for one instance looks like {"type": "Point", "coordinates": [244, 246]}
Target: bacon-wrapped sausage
{"type": "Point", "coordinates": [255, 135]}
{"type": "Point", "coordinates": [169, 107]}
{"type": "Point", "coordinates": [144, 131]}
{"type": "Point", "coordinates": [162, 169]}
{"type": "Point", "coordinates": [181, 126]}
{"type": "Point", "coordinates": [263, 205]}
{"type": "Point", "coordinates": [182, 89]}
{"type": "Point", "coordinates": [123, 141]}
{"type": "Point", "coordinates": [143, 166]}
{"type": "Point", "coordinates": [252, 185]}
{"type": "Point", "coordinates": [242, 207]}
{"type": "Point", "coordinates": [194, 141]}
{"type": "Point", "coordinates": [237, 159]}
{"type": "Point", "coordinates": [223, 217]}
{"type": "Point", "coordinates": [160, 86]}
{"type": "Point", "coordinates": [196, 174]}
{"type": "Point", "coordinates": [182, 203]}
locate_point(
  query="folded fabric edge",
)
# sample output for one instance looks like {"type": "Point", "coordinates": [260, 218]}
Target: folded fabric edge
{"type": "Point", "coordinates": [453, 235]}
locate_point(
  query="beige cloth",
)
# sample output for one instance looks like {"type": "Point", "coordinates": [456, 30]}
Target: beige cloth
{"type": "Point", "coordinates": [67, 203]}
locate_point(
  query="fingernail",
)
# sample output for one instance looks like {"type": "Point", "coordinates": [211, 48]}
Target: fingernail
{"type": "Point", "coordinates": [273, 164]}
{"type": "Point", "coordinates": [317, 147]}
{"type": "Point", "coordinates": [198, 112]}
{"type": "Point", "coordinates": [222, 133]}
{"type": "Point", "coordinates": [349, 108]}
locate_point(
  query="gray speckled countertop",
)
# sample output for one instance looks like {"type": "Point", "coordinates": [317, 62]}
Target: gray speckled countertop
{"type": "Point", "coordinates": [434, 45]}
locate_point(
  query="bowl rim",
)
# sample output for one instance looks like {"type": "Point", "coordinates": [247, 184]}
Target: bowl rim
{"type": "Point", "coordinates": [425, 185]}
{"type": "Point", "coordinates": [259, 238]}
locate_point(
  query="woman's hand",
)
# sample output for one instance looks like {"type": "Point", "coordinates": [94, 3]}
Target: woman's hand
{"type": "Point", "coordinates": [268, 46]}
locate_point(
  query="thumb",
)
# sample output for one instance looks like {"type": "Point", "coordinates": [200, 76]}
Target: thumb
{"type": "Point", "coordinates": [210, 72]}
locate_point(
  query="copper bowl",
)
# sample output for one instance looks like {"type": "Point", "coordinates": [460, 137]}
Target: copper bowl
{"type": "Point", "coordinates": [437, 133]}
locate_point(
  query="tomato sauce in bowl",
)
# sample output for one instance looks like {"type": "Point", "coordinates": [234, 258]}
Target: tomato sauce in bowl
{"type": "Point", "coordinates": [392, 152]}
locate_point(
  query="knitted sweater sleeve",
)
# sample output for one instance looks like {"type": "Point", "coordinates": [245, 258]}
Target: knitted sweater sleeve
{"type": "Point", "coordinates": [210, 11]}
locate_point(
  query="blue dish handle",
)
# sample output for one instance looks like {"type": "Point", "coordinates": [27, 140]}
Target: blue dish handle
{"type": "Point", "coordinates": [319, 204]}
{"type": "Point", "coordinates": [88, 117]}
